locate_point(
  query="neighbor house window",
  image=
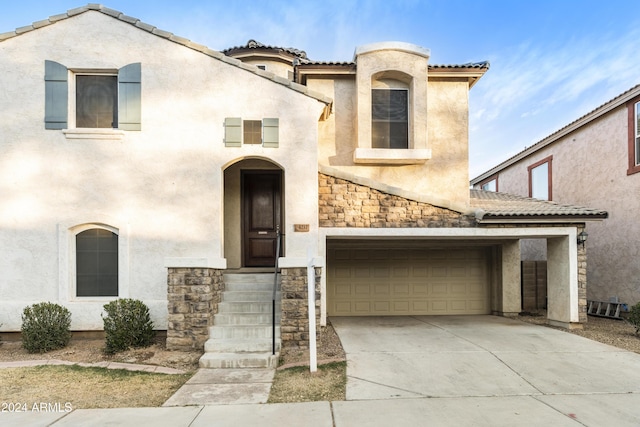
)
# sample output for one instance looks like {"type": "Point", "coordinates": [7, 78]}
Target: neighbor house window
{"type": "Point", "coordinates": [97, 263]}
{"type": "Point", "coordinates": [490, 185]}
{"type": "Point", "coordinates": [540, 179]}
{"type": "Point", "coordinates": [389, 118]}
{"type": "Point", "coordinates": [102, 100]}
{"type": "Point", "coordinates": [634, 137]}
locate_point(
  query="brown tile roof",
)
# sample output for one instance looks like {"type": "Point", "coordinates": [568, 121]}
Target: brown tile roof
{"type": "Point", "coordinates": [254, 44]}
{"type": "Point", "coordinates": [503, 206]}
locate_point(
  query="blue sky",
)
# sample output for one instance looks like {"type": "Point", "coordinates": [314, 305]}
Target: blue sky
{"type": "Point", "coordinates": [551, 60]}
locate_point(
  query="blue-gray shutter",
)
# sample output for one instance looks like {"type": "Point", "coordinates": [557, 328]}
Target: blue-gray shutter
{"type": "Point", "coordinates": [129, 97]}
{"type": "Point", "coordinates": [270, 132]}
{"type": "Point", "coordinates": [233, 132]}
{"type": "Point", "coordinates": [56, 104]}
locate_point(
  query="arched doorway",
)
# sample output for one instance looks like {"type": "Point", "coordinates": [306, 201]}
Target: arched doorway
{"type": "Point", "coordinates": [253, 212]}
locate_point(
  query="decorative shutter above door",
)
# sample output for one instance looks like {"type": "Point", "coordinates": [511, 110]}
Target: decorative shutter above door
{"type": "Point", "coordinates": [233, 132]}
{"type": "Point", "coordinates": [270, 133]}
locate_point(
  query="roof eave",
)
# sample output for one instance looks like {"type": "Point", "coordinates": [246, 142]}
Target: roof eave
{"type": "Point", "coordinates": [539, 219]}
{"type": "Point", "coordinates": [471, 74]}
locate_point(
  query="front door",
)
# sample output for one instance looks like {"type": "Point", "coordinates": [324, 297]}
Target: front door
{"type": "Point", "coordinates": [261, 216]}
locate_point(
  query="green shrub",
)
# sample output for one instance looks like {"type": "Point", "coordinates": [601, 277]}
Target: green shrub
{"type": "Point", "coordinates": [45, 326]}
{"type": "Point", "coordinates": [127, 324]}
{"type": "Point", "coordinates": [634, 317]}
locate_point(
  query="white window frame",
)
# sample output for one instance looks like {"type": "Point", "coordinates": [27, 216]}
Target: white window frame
{"type": "Point", "coordinates": [67, 260]}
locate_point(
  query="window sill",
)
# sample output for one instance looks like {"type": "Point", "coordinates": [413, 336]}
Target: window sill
{"type": "Point", "coordinates": [86, 133]}
{"type": "Point", "coordinates": [391, 156]}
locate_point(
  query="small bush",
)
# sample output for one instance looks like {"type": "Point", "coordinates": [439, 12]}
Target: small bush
{"type": "Point", "coordinates": [45, 327]}
{"type": "Point", "coordinates": [634, 317]}
{"type": "Point", "coordinates": [127, 324]}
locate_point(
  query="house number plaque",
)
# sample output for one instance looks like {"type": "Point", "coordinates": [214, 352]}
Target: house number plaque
{"type": "Point", "coordinates": [301, 228]}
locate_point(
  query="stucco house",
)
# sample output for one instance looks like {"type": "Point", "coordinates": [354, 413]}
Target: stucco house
{"type": "Point", "coordinates": [136, 163]}
{"type": "Point", "coordinates": [592, 161]}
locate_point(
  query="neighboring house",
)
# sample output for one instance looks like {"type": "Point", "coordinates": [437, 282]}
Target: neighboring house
{"type": "Point", "coordinates": [135, 163]}
{"type": "Point", "coordinates": [593, 161]}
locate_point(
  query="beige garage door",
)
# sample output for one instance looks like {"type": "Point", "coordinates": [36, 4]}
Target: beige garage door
{"type": "Point", "coordinates": [373, 281]}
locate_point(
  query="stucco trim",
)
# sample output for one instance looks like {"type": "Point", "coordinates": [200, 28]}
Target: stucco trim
{"type": "Point", "coordinates": [391, 45]}
{"type": "Point", "coordinates": [194, 262]}
{"type": "Point", "coordinates": [388, 156]}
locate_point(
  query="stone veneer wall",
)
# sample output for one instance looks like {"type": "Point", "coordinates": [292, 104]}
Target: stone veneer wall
{"type": "Point", "coordinates": [582, 280]}
{"type": "Point", "coordinates": [294, 325]}
{"type": "Point", "coordinates": [345, 204]}
{"type": "Point", "coordinates": [193, 297]}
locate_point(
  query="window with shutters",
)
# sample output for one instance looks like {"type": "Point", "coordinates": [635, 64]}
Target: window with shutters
{"type": "Point", "coordinates": [87, 99]}
{"type": "Point", "coordinates": [251, 132]}
{"type": "Point", "coordinates": [96, 101]}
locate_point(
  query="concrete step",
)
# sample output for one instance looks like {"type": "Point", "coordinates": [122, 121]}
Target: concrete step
{"type": "Point", "coordinates": [247, 307]}
{"type": "Point", "coordinates": [262, 278]}
{"type": "Point", "coordinates": [248, 286]}
{"type": "Point", "coordinates": [248, 296]}
{"type": "Point", "coordinates": [240, 346]}
{"type": "Point", "coordinates": [239, 360]}
{"type": "Point", "coordinates": [242, 331]}
{"type": "Point", "coordinates": [245, 318]}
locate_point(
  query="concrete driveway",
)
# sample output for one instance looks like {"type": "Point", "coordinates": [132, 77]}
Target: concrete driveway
{"type": "Point", "coordinates": [483, 370]}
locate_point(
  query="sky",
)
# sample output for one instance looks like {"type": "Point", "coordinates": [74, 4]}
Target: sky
{"type": "Point", "coordinates": [552, 61]}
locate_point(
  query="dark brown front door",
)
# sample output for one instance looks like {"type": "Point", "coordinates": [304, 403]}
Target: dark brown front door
{"type": "Point", "coordinates": [261, 212]}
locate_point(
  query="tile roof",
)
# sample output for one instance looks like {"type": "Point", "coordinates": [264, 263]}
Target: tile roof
{"type": "Point", "coordinates": [253, 44]}
{"type": "Point", "coordinates": [478, 65]}
{"type": "Point", "coordinates": [169, 36]}
{"type": "Point", "coordinates": [502, 206]}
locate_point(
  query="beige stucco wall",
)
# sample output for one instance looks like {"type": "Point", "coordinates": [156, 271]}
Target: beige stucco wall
{"type": "Point", "coordinates": [590, 169]}
{"type": "Point", "coordinates": [439, 122]}
{"type": "Point", "coordinates": [160, 188]}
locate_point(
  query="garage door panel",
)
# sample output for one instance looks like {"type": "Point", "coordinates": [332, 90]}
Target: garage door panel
{"type": "Point", "coordinates": [364, 281]}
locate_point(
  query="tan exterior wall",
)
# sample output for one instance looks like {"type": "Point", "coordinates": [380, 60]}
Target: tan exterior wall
{"type": "Point", "coordinates": [589, 168]}
{"type": "Point", "coordinates": [438, 121]}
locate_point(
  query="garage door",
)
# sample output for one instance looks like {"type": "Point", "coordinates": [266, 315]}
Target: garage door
{"type": "Point", "coordinates": [366, 281]}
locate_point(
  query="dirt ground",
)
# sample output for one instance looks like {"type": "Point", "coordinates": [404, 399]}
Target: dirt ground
{"type": "Point", "coordinates": [92, 351]}
{"type": "Point", "coordinates": [617, 333]}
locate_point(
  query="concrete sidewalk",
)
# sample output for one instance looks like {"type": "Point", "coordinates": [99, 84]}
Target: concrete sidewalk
{"type": "Point", "coordinates": [436, 371]}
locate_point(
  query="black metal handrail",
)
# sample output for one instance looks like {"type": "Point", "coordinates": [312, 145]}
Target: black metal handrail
{"type": "Point", "coordinates": [273, 299]}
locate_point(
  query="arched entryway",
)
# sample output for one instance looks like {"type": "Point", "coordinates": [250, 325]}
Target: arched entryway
{"type": "Point", "coordinates": [253, 212]}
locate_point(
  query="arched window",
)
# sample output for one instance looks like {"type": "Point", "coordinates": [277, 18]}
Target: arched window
{"type": "Point", "coordinates": [389, 113]}
{"type": "Point", "coordinates": [97, 263]}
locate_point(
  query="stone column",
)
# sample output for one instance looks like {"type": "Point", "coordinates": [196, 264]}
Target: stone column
{"type": "Point", "coordinates": [193, 295]}
{"type": "Point", "coordinates": [582, 281]}
{"type": "Point", "coordinates": [294, 324]}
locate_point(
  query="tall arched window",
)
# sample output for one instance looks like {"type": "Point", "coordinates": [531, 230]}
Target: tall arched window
{"type": "Point", "coordinates": [389, 113]}
{"type": "Point", "coordinates": [96, 263]}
